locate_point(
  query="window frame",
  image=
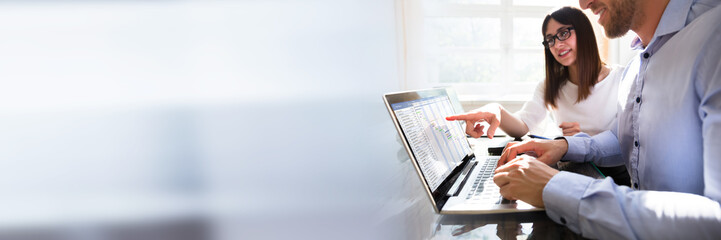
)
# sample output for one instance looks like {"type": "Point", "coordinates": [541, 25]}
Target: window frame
{"type": "Point", "coordinates": [414, 53]}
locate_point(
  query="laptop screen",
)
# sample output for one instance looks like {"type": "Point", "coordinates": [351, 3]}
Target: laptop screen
{"type": "Point", "coordinates": [437, 144]}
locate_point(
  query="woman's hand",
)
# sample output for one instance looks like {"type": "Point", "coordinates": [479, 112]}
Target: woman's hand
{"type": "Point", "coordinates": [473, 119]}
{"type": "Point", "coordinates": [570, 128]}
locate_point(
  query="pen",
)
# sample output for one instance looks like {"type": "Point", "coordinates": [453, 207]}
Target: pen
{"type": "Point", "coordinates": [536, 136]}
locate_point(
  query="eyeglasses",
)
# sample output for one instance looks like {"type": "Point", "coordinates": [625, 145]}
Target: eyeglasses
{"type": "Point", "coordinates": [561, 36]}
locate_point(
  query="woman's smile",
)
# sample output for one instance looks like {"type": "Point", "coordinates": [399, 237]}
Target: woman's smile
{"type": "Point", "coordinates": [563, 52]}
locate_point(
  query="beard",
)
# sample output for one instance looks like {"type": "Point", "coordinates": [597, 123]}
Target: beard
{"type": "Point", "coordinates": [621, 18]}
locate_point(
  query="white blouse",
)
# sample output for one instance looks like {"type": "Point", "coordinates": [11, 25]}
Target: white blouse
{"type": "Point", "coordinates": [594, 114]}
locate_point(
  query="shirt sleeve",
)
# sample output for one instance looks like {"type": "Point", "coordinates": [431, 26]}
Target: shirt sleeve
{"type": "Point", "coordinates": [534, 111]}
{"type": "Point", "coordinates": [598, 208]}
{"type": "Point", "coordinates": [708, 88]}
{"type": "Point", "coordinates": [603, 149]}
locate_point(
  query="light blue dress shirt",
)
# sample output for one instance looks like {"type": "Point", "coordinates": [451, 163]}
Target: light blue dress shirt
{"type": "Point", "coordinates": [668, 135]}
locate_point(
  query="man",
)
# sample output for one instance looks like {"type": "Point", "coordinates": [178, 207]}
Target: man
{"type": "Point", "coordinates": [668, 134]}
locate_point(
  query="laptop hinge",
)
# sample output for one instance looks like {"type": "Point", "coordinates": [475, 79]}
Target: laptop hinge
{"type": "Point", "coordinates": [440, 193]}
{"type": "Point", "coordinates": [458, 186]}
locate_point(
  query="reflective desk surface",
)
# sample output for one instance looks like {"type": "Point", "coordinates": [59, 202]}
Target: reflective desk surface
{"type": "Point", "coordinates": [533, 225]}
{"type": "Point", "coordinates": [529, 225]}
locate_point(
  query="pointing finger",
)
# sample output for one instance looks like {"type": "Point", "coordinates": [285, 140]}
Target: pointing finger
{"type": "Point", "coordinates": [459, 117]}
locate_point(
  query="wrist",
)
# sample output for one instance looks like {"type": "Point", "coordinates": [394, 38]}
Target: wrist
{"type": "Point", "coordinates": [563, 143]}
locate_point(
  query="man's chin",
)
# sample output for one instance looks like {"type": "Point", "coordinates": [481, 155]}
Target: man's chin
{"type": "Point", "coordinates": [611, 33]}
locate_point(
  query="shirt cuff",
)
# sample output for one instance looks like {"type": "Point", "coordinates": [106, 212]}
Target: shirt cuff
{"type": "Point", "coordinates": [577, 149]}
{"type": "Point", "coordinates": [562, 197]}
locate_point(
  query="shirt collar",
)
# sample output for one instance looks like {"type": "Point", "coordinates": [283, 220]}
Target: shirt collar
{"type": "Point", "coordinates": [672, 21]}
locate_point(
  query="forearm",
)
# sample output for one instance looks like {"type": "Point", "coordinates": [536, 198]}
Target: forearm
{"type": "Point", "coordinates": [600, 209]}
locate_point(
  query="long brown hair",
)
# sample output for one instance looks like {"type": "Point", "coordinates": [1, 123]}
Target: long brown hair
{"type": "Point", "coordinates": [587, 59]}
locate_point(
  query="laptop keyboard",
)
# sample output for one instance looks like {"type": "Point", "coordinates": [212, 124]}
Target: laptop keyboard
{"type": "Point", "coordinates": [484, 181]}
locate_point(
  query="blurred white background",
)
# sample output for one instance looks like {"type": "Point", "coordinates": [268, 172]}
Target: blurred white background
{"type": "Point", "coordinates": [196, 119]}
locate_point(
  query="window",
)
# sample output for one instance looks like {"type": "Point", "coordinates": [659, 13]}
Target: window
{"type": "Point", "coordinates": [487, 49]}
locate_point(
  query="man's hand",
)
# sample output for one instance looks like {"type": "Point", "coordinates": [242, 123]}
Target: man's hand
{"type": "Point", "coordinates": [476, 130]}
{"type": "Point", "coordinates": [570, 128]}
{"type": "Point", "coordinates": [547, 151]}
{"type": "Point", "coordinates": [523, 179]}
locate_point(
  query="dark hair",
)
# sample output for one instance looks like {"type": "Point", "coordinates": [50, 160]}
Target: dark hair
{"type": "Point", "coordinates": [587, 58]}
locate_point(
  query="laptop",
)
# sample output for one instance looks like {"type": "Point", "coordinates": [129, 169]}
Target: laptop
{"type": "Point", "coordinates": [455, 180]}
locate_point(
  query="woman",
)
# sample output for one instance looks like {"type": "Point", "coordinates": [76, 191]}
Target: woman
{"type": "Point", "coordinates": [579, 90]}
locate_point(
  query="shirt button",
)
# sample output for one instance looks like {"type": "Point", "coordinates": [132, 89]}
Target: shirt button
{"type": "Point", "coordinates": [563, 221]}
{"type": "Point", "coordinates": [635, 143]}
{"type": "Point", "coordinates": [638, 99]}
{"type": "Point", "coordinates": [646, 55]}
{"type": "Point", "coordinates": [635, 185]}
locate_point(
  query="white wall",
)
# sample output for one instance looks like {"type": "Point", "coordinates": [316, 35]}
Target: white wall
{"type": "Point", "coordinates": [255, 114]}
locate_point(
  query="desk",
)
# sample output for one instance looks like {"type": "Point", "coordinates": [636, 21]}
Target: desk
{"type": "Point", "coordinates": [533, 225]}
{"type": "Point", "coordinates": [529, 225]}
